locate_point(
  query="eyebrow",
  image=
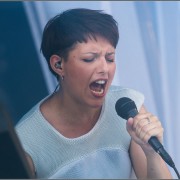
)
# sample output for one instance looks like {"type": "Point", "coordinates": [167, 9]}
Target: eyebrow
{"type": "Point", "coordinates": [107, 54]}
{"type": "Point", "coordinates": [96, 53]}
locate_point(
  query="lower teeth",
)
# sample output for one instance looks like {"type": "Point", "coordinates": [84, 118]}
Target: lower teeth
{"type": "Point", "coordinates": [98, 92]}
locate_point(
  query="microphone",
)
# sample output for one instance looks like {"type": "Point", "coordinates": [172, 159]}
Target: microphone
{"type": "Point", "coordinates": [126, 108]}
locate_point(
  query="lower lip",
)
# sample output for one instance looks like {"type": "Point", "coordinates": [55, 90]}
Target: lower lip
{"type": "Point", "coordinates": [98, 95]}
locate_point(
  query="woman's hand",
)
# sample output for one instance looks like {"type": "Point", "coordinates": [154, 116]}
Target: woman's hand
{"type": "Point", "coordinates": [142, 127]}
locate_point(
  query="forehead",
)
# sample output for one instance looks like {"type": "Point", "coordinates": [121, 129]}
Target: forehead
{"type": "Point", "coordinates": [98, 44]}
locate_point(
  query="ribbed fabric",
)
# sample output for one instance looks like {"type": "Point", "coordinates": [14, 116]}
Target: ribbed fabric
{"type": "Point", "coordinates": [101, 153]}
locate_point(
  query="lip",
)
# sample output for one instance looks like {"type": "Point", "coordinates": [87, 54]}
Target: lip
{"type": "Point", "coordinates": [100, 79]}
{"type": "Point", "coordinates": [105, 87]}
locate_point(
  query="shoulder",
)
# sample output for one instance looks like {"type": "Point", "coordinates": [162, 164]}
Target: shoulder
{"type": "Point", "coordinates": [27, 127]}
{"type": "Point", "coordinates": [29, 123]}
{"type": "Point", "coordinates": [31, 115]}
{"type": "Point", "coordinates": [125, 91]}
{"type": "Point", "coordinates": [117, 92]}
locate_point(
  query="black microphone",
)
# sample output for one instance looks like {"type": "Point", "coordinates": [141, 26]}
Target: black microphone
{"type": "Point", "coordinates": [126, 108]}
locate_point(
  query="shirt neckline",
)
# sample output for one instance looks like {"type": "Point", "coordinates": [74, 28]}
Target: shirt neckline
{"type": "Point", "coordinates": [84, 136]}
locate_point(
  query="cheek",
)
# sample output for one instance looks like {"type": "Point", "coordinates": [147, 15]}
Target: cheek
{"type": "Point", "coordinates": [112, 70]}
{"type": "Point", "coordinates": [78, 75]}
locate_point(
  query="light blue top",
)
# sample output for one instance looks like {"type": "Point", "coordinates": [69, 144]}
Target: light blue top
{"type": "Point", "coordinates": [102, 153]}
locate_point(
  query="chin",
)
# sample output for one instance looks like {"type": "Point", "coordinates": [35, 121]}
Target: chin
{"type": "Point", "coordinates": [97, 104]}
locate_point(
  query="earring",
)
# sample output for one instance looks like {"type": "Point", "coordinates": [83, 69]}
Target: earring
{"type": "Point", "coordinates": [62, 77]}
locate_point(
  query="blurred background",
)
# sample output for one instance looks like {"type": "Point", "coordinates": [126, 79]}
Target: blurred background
{"type": "Point", "coordinates": [147, 56]}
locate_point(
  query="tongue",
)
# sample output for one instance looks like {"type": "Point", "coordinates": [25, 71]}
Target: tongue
{"type": "Point", "coordinates": [95, 87]}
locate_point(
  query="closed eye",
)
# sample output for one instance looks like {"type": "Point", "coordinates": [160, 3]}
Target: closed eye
{"type": "Point", "coordinates": [88, 60]}
{"type": "Point", "coordinates": [110, 57]}
{"type": "Point", "coordinates": [110, 60]}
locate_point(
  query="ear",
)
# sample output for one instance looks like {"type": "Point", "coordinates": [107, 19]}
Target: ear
{"type": "Point", "coordinates": [56, 64]}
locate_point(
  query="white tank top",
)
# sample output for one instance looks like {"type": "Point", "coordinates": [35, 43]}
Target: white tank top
{"type": "Point", "coordinates": [102, 153]}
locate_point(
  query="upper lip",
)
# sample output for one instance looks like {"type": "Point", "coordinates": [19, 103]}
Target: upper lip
{"type": "Point", "coordinates": [100, 79]}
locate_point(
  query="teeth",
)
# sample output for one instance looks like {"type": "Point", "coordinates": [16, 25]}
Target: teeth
{"type": "Point", "coordinates": [99, 93]}
{"type": "Point", "coordinates": [101, 82]}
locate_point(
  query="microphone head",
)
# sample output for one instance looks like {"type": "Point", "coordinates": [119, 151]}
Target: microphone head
{"type": "Point", "coordinates": [124, 107]}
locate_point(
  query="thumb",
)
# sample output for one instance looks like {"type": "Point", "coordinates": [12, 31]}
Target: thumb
{"type": "Point", "coordinates": [129, 125]}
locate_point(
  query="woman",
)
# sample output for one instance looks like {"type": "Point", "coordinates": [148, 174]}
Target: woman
{"type": "Point", "coordinates": [75, 132]}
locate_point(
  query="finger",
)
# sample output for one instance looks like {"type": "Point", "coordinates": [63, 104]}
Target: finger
{"type": "Point", "coordinates": [151, 130]}
{"type": "Point", "coordinates": [146, 127]}
{"type": "Point", "coordinates": [138, 118]}
{"type": "Point", "coordinates": [141, 126]}
{"type": "Point", "coordinates": [146, 118]}
{"type": "Point", "coordinates": [158, 133]}
{"type": "Point", "coordinates": [129, 125]}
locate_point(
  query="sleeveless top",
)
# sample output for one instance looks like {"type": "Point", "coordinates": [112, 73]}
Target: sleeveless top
{"type": "Point", "coordinates": [102, 153]}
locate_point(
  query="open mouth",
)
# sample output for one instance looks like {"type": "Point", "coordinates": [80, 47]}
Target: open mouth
{"type": "Point", "coordinates": [98, 87]}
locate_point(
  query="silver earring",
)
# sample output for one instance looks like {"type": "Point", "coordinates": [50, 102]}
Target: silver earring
{"type": "Point", "coordinates": [62, 78]}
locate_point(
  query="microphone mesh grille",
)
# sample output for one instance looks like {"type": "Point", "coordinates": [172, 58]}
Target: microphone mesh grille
{"type": "Point", "coordinates": [123, 106]}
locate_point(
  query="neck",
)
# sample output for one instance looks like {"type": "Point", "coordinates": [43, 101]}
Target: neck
{"type": "Point", "coordinates": [69, 118]}
{"type": "Point", "coordinates": [75, 113]}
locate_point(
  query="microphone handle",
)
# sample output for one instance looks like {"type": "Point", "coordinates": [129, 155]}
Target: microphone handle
{"type": "Point", "coordinates": [158, 147]}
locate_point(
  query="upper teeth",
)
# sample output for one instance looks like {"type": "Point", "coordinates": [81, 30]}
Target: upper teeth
{"type": "Point", "coordinates": [101, 82]}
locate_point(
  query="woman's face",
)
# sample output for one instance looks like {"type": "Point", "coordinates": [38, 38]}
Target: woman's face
{"type": "Point", "coordinates": [89, 71]}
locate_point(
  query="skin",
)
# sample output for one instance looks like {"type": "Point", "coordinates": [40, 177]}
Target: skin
{"type": "Point", "coordinates": [74, 109]}
{"type": "Point", "coordinates": [146, 162]}
{"type": "Point", "coordinates": [75, 95]}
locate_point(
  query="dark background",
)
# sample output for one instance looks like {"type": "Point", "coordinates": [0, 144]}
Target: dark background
{"type": "Point", "coordinates": [21, 80]}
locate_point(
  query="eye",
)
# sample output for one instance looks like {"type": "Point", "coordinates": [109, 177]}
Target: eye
{"type": "Point", "coordinates": [88, 60]}
{"type": "Point", "coordinates": [110, 57]}
{"type": "Point", "coordinates": [110, 60]}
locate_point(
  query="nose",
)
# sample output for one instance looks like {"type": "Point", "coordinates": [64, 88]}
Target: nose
{"type": "Point", "coordinates": [103, 66]}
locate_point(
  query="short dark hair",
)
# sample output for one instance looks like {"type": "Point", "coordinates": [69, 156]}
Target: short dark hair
{"type": "Point", "coordinates": [64, 30]}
